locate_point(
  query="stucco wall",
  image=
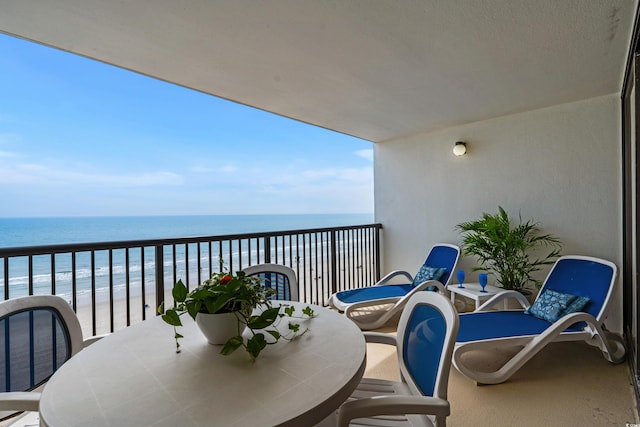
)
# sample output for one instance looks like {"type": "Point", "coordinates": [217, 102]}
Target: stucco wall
{"type": "Point", "coordinates": [559, 166]}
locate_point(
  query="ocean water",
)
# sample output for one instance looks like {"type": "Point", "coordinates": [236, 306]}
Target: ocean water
{"type": "Point", "coordinates": [48, 231]}
{"type": "Point", "coordinates": [17, 232]}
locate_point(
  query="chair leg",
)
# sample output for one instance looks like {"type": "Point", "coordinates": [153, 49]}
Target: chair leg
{"type": "Point", "coordinates": [498, 376]}
{"type": "Point", "coordinates": [611, 345]}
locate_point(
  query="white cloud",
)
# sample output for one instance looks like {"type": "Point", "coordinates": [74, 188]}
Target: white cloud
{"type": "Point", "coordinates": [348, 175]}
{"type": "Point", "coordinates": [214, 169]}
{"type": "Point", "coordinates": [228, 168]}
{"type": "Point", "coordinates": [30, 174]}
{"type": "Point", "coordinates": [319, 191]}
{"type": "Point", "coordinates": [365, 154]}
{"type": "Point", "coordinates": [9, 137]}
{"type": "Point", "coordinates": [288, 177]}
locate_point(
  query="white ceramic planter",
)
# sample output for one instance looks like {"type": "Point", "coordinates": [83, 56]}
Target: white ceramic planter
{"type": "Point", "coordinates": [218, 327]}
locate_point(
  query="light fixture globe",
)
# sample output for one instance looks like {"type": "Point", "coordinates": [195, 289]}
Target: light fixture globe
{"type": "Point", "coordinates": [460, 148]}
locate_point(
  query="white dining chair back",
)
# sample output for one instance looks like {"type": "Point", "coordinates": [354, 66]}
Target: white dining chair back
{"type": "Point", "coordinates": [39, 334]}
{"type": "Point", "coordinates": [426, 336]}
{"type": "Point", "coordinates": [280, 278]}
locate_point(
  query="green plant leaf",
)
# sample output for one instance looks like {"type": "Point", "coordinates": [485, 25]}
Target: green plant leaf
{"type": "Point", "coordinates": [193, 308]}
{"type": "Point", "coordinates": [308, 311]}
{"type": "Point", "coordinates": [215, 305]}
{"type": "Point", "coordinates": [266, 318]}
{"type": "Point", "coordinates": [255, 345]}
{"type": "Point", "coordinates": [274, 333]}
{"type": "Point", "coordinates": [294, 327]}
{"type": "Point", "coordinates": [231, 345]}
{"type": "Point", "coordinates": [179, 291]}
{"type": "Point", "coordinates": [289, 310]}
{"type": "Point", "coordinates": [171, 317]}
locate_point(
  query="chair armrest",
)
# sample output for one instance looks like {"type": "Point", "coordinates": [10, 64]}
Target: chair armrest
{"type": "Point", "coordinates": [393, 274]}
{"type": "Point", "coordinates": [503, 296]}
{"type": "Point", "coordinates": [20, 401]}
{"type": "Point", "coordinates": [392, 405]}
{"type": "Point", "coordinates": [380, 338]}
{"type": "Point", "coordinates": [398, 304]}
{"type": "Point", "coordinates": [366, 304]}
{"type": "Point", "coordinates": [424, 285]}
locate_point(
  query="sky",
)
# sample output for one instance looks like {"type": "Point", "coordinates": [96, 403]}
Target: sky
{"type": "Point", "coordinates": [82, 138]}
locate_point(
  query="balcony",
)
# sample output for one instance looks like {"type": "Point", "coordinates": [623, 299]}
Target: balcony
{"type": "Point", "coordinates": [110, 288]}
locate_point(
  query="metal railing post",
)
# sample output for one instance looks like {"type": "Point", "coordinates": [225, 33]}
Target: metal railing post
{"type": "Point", "coordinates": [267, 249]}
{"type": "Point", "coordinates": [334, 263]}
{"type": "Point", "coordinates": [377, 259]}
{"type": "Point", "coordinates": [6, 278]}
{"type": "Point", "coordinates": [159, 268]}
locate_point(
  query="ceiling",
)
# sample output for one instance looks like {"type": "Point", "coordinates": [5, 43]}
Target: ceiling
{"type": "Point", "coordinates": [374, 69]}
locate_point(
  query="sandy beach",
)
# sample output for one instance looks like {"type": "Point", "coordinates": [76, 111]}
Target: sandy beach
{"type": "Point", "coordinates": [102, 310]}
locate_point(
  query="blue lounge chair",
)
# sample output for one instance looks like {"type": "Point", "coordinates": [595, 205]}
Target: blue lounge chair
{"type": "Point", "coordinates": [369, 307]}
{"type": "Point", "coordinates": [571, 306]}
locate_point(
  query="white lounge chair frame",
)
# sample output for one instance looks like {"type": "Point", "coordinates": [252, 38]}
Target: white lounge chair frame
{"type": "Point", "coordinates": [593, 333]}
{"type": "Point", "coordinates": [379, 398]}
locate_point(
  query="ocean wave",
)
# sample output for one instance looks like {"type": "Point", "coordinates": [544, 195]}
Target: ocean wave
{"type": "Point", "coordinates": [102, 277]}
{"type": "Point", "coordinates": [81, 274]}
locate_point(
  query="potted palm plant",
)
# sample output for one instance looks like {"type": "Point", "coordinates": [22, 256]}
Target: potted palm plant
{"type": "Point", "coordinates": [225, 305]}
{"type": "Point", "coordinates": [506, 249]}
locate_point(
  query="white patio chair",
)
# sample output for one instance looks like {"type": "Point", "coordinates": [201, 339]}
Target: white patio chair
{"type": "Point", "coordinates": [280, 278]}
{"type": "Point", "coordinates": [373, 306]}
{"type": "Point", "coordinates": [571, 306]}
{"type": "Point", "coordinates": [426, 335]}
{"type": "Point", "coordinates": [39, 333]}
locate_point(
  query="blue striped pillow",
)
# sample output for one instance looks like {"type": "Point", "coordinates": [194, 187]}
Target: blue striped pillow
{"type": "Point", "coordinates": [578, 304]}
{"type": "Point", "coordinates": [550, 305]}
{"type": "Point", "coordinates": [428, 273]}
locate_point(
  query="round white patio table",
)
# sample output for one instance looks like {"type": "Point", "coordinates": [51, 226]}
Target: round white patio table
{"type": "Point", "coordinates": [134, 377]}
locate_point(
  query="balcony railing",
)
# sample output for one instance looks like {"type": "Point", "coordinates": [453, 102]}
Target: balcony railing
{"type": "Point", "coordinates": [114, 284]}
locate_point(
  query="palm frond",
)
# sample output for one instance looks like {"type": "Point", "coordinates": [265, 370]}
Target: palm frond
{"type": "Point", "coordinates": [505, 248]}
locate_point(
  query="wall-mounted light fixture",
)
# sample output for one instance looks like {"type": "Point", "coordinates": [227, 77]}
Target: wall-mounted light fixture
{"type": "Point", "coordinates": [460, 148]}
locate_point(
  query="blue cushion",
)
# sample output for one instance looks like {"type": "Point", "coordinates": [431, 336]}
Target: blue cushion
{"type": "Point", "coordinates": [486, 325]}
{"type": "Point", "coordinates": [550, 305]}
{"type": "Point", "coordinates": [428, 273]}
{"type": "Point", "coordinates": [373, 292]}
{"type": "Point", "coordinates": [578, 304]}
